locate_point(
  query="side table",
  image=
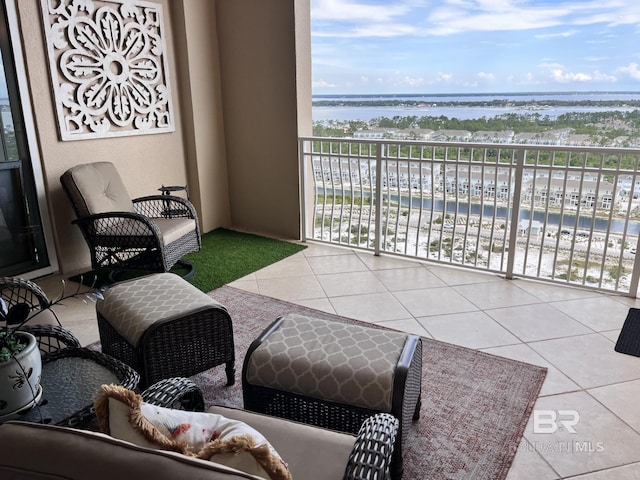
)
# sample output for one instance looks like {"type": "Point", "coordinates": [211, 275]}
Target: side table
{"type": "Point", "coordinates": [70, 379]}
{"type": "Point", "coordinates": [167, 191]}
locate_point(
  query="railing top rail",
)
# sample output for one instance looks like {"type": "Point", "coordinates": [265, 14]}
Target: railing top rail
{"type": "Point", "coordinates": [503, 146]}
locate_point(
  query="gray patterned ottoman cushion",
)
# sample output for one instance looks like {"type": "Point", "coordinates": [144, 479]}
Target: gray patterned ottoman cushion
{"type": "Point", "coordinates": [134, 306]}
{"type": "Point", "coordinates": [330, 361]}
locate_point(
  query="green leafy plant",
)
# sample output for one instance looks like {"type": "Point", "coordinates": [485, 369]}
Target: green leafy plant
{"type": "Point", "coordinates": [10, 343]}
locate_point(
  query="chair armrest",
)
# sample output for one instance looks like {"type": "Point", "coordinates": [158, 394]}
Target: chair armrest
{"type": "Point", "coordinates": [373, 449]}
{"type": "Point", "coordinates": [113, 224]}
{"type": "Point", "coordinates": [51, 338]}
{"type": "Point", "coordinates": [164, 206]}
{"type": "Point", "coordinates": [177, 392]}
{"type": "Point", "coordinates": [15, 290]}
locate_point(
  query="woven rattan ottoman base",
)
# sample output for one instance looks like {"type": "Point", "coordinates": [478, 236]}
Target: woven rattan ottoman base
{"type": "Point", "coordinates": [334, 375]}
{"type": "Point", "coordinates": [162, 327]}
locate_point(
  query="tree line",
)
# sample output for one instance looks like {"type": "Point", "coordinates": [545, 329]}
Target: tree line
{"type": "Point", "coordinates": [606, 124]}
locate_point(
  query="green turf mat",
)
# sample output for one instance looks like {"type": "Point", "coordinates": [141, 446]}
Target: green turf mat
{"type": "Point", "coordinates": [225, 256]}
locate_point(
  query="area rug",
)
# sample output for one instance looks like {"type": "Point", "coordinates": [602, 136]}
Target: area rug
{"type": "Point", "coordinates": [475, 406]}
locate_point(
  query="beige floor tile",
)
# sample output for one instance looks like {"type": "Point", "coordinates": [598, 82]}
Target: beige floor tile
{"type": "Point", "coordinates": [473, 330]}
{"type": "Point", "coordinates": [246, 285]}
{"type": "Point", "coordinates": [626, 472]}
{"type": "Point", "coordinates": [85, 331]}
{"type": "Point", "coordinates": [529, 465]}
{"type": "Point", "coordinates": [461, 276]}
{"type": "Point", "coordinates": [612, 334]}
{"type": "Point", "coordinates": [399, 279]}
{"type": "Point", "coordinates": [555, 382]}
{"type": "Point", "coordinates": [627, 301]}
{"type": "Point", "coordinates": [322, 304]}
{"type": "Point", "coordinates": [351, 283]}
{"type": "Point", "coordinates": [385, 262]}
{"type": "Point", "coordinates": [589, 360]}
{"type": "Point", "coordinates": [537, 322]}
{"type": "Point", "coordinates": [434, 301]}
{"type": "Point", "coordinates": [318, 250]}
{"type": "Point", "coordinates": [289, 267]}
{"type": "Point", "coordinates": [495, 295]}
{"type": "Point", "coordinates": [599, 440]}
{"type": "Point", "coordinates": [623, 399]}
{"type": "Point", "coordinates": [291, 288]}
{"type": "Point", "coordinates": [409, 325]}
{"type": "Point", "coordinates": [598, 313]}
{"type": "Point", "coordinates": [336, 264]}
{"type": "Point", "coordinates": [251, 276]}
{"type": "Point", "coordinates": [374, 307]}
{"type": "Point", "coordinates": [552, 293]}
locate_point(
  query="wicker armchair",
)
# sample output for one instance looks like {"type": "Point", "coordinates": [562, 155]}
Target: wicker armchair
{"type": "Point", "coordinates": [51, 336]}
{"type": "Point", "coordinates": [150, 233]}
{"type": "Point", "coordinates": [370, 457]}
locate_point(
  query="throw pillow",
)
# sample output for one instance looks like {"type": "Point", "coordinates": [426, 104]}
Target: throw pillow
{"type": "Point", "coordinates": [122, 414]}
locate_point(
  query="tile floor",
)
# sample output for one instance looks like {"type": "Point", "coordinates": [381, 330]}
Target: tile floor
{"type": "Point", "coordinates": [594, 390]}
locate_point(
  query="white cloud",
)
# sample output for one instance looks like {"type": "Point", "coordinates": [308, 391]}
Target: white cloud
{"type": "Point", "coordinates": [632, 70]}
{"type": "Point", "coordinates": [412, 81]}
{"type": "Point", "coordinates": [561, 76]}
{"type": "Point", "coordinates": [486, 76]}
{"type": "Point", "coordinates": [379, 30]}
{"type": "Point", "coordinates": [323, 84]}
{"type": "Point", "coordinates": [342, 10]}
{"type": "Point", "coordinates": [361, 18]}
{"type": "Point", "coordinates": [565, 34]}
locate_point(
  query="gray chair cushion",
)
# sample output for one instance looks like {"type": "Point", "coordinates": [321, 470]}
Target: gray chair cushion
{"type": "Point", "coordinates": [97, 188]}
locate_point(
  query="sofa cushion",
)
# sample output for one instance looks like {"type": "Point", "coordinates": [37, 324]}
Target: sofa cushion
{"type": "Point", "coordinates": [124, 415]}
{"type": "Point", "coordinates": [32, 451]}
{"type": "Point", "coordinates": [312, 453]}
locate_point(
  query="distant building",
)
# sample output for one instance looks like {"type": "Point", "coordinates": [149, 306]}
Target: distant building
{"type": "Point", "coordinates": [375, 133]}
{"type": "Point", "coordinates": [451, 135]}
{"type": "Point", "coordinates": [493, 137]}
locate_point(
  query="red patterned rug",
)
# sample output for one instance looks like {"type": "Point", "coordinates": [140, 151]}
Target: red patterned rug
{"type": "Point", "coordinates": [475, 406]}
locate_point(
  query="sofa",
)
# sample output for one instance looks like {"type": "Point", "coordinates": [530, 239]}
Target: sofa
{"type": "Point", "coordinates": [31, 451]}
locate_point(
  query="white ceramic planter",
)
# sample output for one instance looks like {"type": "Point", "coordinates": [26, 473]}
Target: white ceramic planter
{"type": "Point", "coordinates": [20, 378]}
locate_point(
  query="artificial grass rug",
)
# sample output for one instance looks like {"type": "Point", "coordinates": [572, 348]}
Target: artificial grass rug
{"type": "Point", "coordinates": [225, 256]}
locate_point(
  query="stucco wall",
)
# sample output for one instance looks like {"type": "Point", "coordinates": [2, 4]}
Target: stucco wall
{"type": "Point", "coordinates": [258, 72]}
{"type": "Point", "coordinates": [201, 106]}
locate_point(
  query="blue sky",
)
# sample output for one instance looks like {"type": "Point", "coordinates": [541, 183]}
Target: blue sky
{"type": "Point", "coordinates": [474, 46]}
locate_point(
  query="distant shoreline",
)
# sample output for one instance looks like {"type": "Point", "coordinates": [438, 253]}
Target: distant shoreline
{"type": "Point", "coordinates": [477, 94]}
{"type": "Point", "coordinates": [481, 103]}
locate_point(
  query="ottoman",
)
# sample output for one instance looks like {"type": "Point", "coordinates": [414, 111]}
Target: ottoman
{"type": "Point", "coordinates": [334, 375]}
{"type": "Point", "coordinates": [162, 326]}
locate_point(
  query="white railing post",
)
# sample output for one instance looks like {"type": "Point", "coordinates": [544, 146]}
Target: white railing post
{"type": "Point", "coordinates": [379, 199]}
{"type": "Point", "coordinates": [515, 213]}
{"type": "Point", "coordinates": [303, 189]}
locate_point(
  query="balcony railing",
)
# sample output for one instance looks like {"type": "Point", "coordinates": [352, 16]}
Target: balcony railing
{"type": "Point", "coordinates": [567, 215]}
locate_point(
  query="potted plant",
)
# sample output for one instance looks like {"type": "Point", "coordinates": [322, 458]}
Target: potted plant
{"type": "Point", "coordinates": [20, 358]}
{"type": "Point", "coordinates": [20, 362]}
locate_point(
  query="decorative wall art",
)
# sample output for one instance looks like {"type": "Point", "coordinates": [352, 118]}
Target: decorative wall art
{"type": "Point", "coordinates": [108, 64]}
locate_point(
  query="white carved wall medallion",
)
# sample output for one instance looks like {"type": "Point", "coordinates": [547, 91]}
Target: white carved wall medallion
{"type": "Point", "coordinates": [108, 64]}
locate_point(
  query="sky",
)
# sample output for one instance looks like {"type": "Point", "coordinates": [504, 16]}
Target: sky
{"type": "Point", "coordinates": [474, 46]}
